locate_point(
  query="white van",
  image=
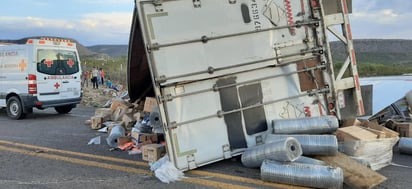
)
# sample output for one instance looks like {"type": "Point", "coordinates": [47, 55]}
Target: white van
{"type": "Point", "coordinates": [41, 73]}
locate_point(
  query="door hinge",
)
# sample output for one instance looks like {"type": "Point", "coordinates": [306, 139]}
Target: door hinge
{"type": "Point", "coordinates": [226, 151]}
{"type": "Point", "coordinates": [191, 161]}
{"type": "Point", "coordinates": [158, 5]}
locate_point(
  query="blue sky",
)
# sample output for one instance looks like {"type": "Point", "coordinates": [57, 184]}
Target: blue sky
{"type": "Point", "coordinates": [93, 22]}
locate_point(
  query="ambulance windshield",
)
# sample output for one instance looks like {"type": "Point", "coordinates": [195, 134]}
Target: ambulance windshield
{"type": "Point", "coordinates": [57, 62]}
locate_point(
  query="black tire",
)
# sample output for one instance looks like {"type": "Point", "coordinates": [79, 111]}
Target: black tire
{"type": "Point", "coordinates": [15, 108]}
{"type": "Point", "coordinates": [63, 109]}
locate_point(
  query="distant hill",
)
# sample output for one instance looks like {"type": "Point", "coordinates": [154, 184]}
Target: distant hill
{"type": "Point", "coordinates": [84, 52]}
{"type": "Point", "coordinates": [111, 50]}
{"type": "Point", "coordinates": [383, 51]}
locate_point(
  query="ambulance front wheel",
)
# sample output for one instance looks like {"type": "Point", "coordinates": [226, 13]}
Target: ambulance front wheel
{"type": "Point", "coordinates": [14, 108]}
{"type": "Point", "coordinates": [63, 109]}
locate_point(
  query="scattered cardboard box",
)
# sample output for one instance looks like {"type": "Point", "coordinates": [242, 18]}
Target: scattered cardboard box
{"type": "Point", "coordinates": [149, 104]}
{"type": "Point", "coordinates": [372, 145]}
{"type": "Point", "coordinates": [127, 120]}
{"type": "Point", "coordinates": [147, 137]}
{"type": "Point", "coordinates": [404, 129]}
{"type": "Point", "coordinates": [153, 152]}
{"type": "Point", "coordinates": [351, 122]}
{"type": "Point", "coordinates": [354, 133]}
{"type": "Point", "coordinates": [118, 113]}
{"type": "Point", "coordinates": [123, 140]}
{"type": "Point", "coordinates": [97, 122]}
{"type": "Point", "coordinates": [119, 103]}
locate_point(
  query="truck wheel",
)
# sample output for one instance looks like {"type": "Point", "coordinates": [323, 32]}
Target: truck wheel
{"type": "Point", "coordinates": [14, 108]}
{"type": "Point", "coordinates": [63, 109]}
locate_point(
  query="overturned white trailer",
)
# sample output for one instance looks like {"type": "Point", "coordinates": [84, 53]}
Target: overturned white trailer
{"type": "Point", "coordinates": [222, 70]}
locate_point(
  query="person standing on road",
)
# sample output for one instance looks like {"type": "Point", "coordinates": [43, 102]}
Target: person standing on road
{"type": "Point", "coordinates": [99, 76]}
{"type": "Point", "coordinates": [86, 75]}
{"type": "Point", "coordinates": [102, 75]}
{"type": "Point", "coordinates": [95, 73]}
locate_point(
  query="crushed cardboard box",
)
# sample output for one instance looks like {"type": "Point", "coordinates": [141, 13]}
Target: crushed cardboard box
{"type": "Point", "coordinates": [368, 142]}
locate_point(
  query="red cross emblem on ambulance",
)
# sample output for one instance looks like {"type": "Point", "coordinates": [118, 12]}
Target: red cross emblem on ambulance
{"type": "Point", "coordinates": [70, 63]}
{"type": "Point", "coordinates": [48, 63]}
{"type": "Point", "coordinates": [57, 85]}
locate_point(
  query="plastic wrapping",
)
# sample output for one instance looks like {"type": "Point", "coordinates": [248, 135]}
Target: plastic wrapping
{"type": "Point", "coordinates": [287, 149]}
{"type": "Point", "coordinates": [311, 144]}
{"type": "Point", "coordinates": [405, 145]}
{"type": "Point", "coordinates": [308, 160]}
{"type": "Point", "coordinates": [311, 125]}
{"type": "Point", "coordinates": [408, 97]}
{"type": "Point", "coordinates": [316, 176]}
{"type": "Point", "coordinates": [378, 152]}
{"type": "Point", "coordinates": [165, 171]}
{"type": "Point", "coordinates": [116, 132]}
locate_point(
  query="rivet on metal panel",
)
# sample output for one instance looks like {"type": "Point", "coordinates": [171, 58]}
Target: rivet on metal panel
{"type": "Point", "coordinates": [196, 3]}
{"type": "Point", "coordinates": [204, 39]}
{"type": "Point", "coordinates": [161, 79]}
{"type": "Point", "coordinates": [219, 114]}
{"type": "Point", "coordinates": [172, 125]}
{"type": "Point", "coordinates": [210, 70]}
{"type": "Point", "coordinates": [232, 1]}
{"type": "Point", "coordinates": [215, 88]}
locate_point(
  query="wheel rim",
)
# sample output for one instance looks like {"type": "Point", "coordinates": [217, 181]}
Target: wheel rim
{"type": "Point", "coordinates": [14, 108]}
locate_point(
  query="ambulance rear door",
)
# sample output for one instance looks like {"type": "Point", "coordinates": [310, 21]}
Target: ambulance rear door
{"type": "Point", "coordinates": [58, 74]}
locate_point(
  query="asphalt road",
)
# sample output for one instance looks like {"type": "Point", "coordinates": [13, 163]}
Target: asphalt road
{"type": "Point", "coordinates": [48, 150]}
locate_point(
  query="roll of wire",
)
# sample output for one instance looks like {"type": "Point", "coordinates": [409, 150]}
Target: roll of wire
{"type": "Point", "coordinates": [311, 144]}
{"type": "Point", "coordinates": [287, 149]}
{"type": "Point", "coordinates": [310, 125]}
{"type": "Point", "coordinates": [309, 175]}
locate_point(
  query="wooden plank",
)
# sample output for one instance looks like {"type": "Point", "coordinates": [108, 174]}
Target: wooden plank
{"type": "Point", "coordinates": [355, 174]}
{"type": "Point", "coordinates": [354, 133]}
{"type": "Point", "coordinates": [380, 134]}
{"type": "Point", "coordinates": [374, 125]}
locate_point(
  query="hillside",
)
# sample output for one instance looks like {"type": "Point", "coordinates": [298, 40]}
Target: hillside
{"type": "Point", "coordinates": [84, 52]}
{"type": "Point", "coordinates": [383, 51]}
{"type": "Point", "coordinates": [111, 50]}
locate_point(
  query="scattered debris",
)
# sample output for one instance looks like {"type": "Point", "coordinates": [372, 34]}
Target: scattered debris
{"type": "Point", "coordinates": [372, 145]}
{"type": "Point", "coordinates": [103, 130]}
{"type": "Point", "coordinates": [153, 152]}
{"type": "Point", "coordinates": [165, 171]}
{"type": "Point", "coordinates": [355, 174]}
{"type": "Point", "coordinates": [95, 140]}
{"type": "Point", "coordinates": [114, 134]}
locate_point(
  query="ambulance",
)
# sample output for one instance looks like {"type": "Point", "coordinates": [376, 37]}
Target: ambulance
{"type": "Point", "coordinates": [40, 74]}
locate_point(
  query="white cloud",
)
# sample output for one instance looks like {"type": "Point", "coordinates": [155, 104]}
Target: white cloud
{"type": "Point", "coordinates": [384, 16]}
{"type": "Point", "coordinates": [105, 2]}
{"type": "Point", "coordinates": [92, 28]}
